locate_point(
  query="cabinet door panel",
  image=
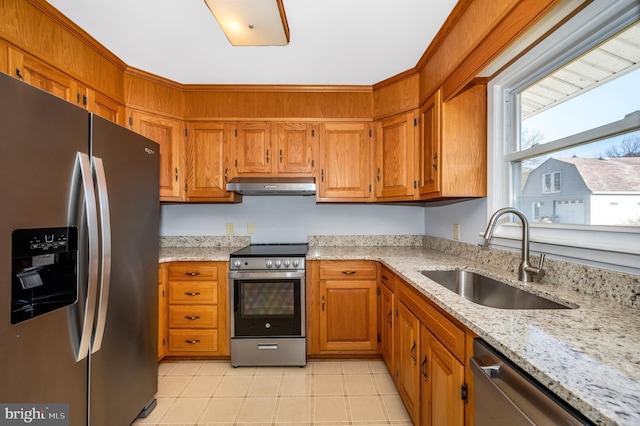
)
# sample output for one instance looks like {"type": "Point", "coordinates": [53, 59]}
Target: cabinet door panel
{"type": "Point", "coordinates": [429, 156]}
{"type": "Point", "coordinates": [38, 74]}
{"type": "Point", "coordinates": [105, 107]}
{"type": "Point", "coordinates": [348, 302]}
{"type": "Point", "coordinates": [386, 326]}
{"type": "Point", "coordinates": [206, 152]}
{"type": "Point", "coordinates": [166, 132]}
{"type": "Point", "coordinates": [395, 147]}
{"type": "Point", "coordinates": [294, 148]}
{"type": "Point", "coordinates": [345, 158]}
{"type": "Point", "coordinates": [407, 355]}
{"type": "Point", "coordinates": [253, 148]}
{"type": "Point", "coordinates": [442, 380]}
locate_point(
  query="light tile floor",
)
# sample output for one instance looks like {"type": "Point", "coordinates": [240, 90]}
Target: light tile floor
{"type": "Point", "coordinates": [324, 393]}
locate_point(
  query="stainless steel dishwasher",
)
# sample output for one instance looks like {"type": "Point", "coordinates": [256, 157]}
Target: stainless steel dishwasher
{"type": "Point", "coordinates": [505, 395]}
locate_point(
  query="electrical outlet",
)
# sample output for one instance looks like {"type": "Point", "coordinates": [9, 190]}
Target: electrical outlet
{"type": "Point", "coordinates": [251, 228]}
{"type": "Point", "coordinates": [456, 231]}
{"type": "Point", "coordinates": [231, 229]}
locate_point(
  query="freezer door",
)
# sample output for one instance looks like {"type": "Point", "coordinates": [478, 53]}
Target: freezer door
{"type": "Point", "coordinates": [123, 367]}
{"type": "Point", "coordinates": [41, 137]}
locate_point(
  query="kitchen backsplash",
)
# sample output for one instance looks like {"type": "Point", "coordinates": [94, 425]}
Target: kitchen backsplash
{"type": "Point", "coordinates": [205, 241]}
{"type": "Point", "coordinates": [366, 240]}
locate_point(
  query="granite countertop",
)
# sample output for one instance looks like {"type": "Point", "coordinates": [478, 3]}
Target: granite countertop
{"type": "Point", "coordinates": [589, 355]}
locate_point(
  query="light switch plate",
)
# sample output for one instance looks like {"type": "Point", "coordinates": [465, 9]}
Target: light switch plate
{"type": "Point", "coordinates": [456, 231]}
{"type": "Point", "coordinates": [231, 229]}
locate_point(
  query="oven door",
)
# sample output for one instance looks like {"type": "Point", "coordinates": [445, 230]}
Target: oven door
{"type": "Point", "coordinates": [267, 304]}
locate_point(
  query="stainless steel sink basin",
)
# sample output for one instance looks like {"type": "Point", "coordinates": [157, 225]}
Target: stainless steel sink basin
{"type": "Point", "coordinates": [489, 292]}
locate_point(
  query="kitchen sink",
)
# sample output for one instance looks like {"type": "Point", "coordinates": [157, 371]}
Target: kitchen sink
{"type": "Point", "coordinates": [489, 292]}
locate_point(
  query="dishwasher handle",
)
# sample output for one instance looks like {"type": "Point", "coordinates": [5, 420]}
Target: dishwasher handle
{"type": "Point", "coordinates": [485, 377]}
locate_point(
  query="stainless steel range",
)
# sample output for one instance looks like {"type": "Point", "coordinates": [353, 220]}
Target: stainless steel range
{"type": "Point", "coordinates": [268, 305]}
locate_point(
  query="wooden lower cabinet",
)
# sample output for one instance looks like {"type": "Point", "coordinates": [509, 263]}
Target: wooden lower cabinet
{"type": "Point", "coordinates": [343, 308]}
{"type": "Point", "coordinates": [441, 384]}
{"type": "Point", "coordinates": [430, 353]}
{"type": "Point", "coordinates": [386, 318]}
{"type": "Point", "coordinates": [162, 311]}
{"type": "Point", "coordinates": [407, 364]}
{"type": "Point", "coordinates": [196, 309]}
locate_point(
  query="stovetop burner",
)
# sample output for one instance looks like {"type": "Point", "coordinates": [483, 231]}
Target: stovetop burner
{"type": "Point", "coordinates": [272, 250]}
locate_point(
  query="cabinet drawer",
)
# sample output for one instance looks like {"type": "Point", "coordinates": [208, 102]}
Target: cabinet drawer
{"type": "Point", "coordinates": [193, 340]}
{"type": "Point", "coordinates": [347, 269]}
{"type": "Point", "coordinates": [193, 293]}
{"type": "Point", "coordinates": [193, 271]}
{"type": "Point", "coordinates": [193, 316]}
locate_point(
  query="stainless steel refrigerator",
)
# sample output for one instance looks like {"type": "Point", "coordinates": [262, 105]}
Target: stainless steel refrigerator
{"type": "Point", "coordinates": [79, 221]}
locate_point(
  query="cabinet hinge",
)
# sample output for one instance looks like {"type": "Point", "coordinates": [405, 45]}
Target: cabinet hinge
{"type": "Point", "coordinates": [396, 374]}
{"type": "Point", "coordinates": [378, 291]}
{"type": "Point", "coordinates": [370, 133]}
{"type": "Point", "coordinates": [379, 340]}
{"type": "Point", "coordinates": [186, 187]}
{"type": "Point", "coordinates": [186, 132]}
{"type": "Point", "coordinates": [236, 163]}
{"type": "Point", "coordinates": [313, 133]}
{"type": "Point", "coordinates": [415, 122]}
{"type": "Point", "coordinates": [370, 188]}
{"type": "Point", "coordinates": [464, 393]}
{"type": "Point", "coordinates": [313, 163]}
{"type": "Point", "coordinates": [236, 133]}
{"type": "Point", "coordinates": [130, 121]}
{"type": "Point", "coordinates": [396, 313]}
{"type": "Point", "coordinates": [415, 184]}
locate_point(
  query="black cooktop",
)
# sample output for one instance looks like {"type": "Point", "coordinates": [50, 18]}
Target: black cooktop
{"type": "Point", "coordinates": [265, 250]}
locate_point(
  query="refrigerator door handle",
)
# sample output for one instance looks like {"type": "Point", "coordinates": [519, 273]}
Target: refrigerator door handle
{"type": "Point", "coordinates": [92, 229]}
{"type": "Point", "coordinates": [105, 270]}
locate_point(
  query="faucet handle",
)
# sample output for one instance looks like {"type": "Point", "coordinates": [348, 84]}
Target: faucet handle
{"type": "Point", "coordinates": [542, 257]}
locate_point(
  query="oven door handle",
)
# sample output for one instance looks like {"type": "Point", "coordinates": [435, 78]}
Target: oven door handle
{"type": "Point", "coordinates": [259, 275]}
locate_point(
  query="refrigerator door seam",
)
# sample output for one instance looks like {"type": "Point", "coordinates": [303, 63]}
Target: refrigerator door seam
{"type": "Point", "coordinates": [105, 269]}
{"type": "Point", "coordinates": [92, 228]}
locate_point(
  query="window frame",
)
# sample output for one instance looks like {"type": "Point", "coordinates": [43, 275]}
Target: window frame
{"type": "Point", "coordinates": [615, 247]}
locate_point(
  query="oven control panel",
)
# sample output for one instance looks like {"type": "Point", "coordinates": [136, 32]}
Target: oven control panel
{"type": "Point", "coordinates": [267, 263]}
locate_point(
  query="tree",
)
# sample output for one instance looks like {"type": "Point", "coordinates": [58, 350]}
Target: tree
{"type": "Point", "coordinates": [629, 147]}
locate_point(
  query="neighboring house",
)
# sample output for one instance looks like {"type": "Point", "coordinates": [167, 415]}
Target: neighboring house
{"type": "Point", "coordinates": [584, 191]}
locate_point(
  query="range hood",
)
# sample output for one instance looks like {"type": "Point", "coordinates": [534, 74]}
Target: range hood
{"type": "Point", "coordinates": [273, 186]}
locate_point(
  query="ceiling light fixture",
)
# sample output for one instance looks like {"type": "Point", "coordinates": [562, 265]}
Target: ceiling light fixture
{"type": "Point", "coordinates": [251, 22]}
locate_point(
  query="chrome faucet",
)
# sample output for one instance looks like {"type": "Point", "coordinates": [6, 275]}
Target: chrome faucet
{"type": "Point", "coordinates": [525, 271]}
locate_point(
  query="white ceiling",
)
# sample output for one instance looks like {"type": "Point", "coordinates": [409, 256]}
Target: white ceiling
{"type": "Point", "coordinates": [359, 42]}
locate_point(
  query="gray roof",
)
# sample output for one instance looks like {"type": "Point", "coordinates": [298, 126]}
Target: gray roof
{"type": "Point", "coordinates": [607, 175]}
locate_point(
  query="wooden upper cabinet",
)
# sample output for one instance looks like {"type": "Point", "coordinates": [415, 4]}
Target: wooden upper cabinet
{"type": "Point", "coordinates": [105, 107]}
{"type": "Point", "coordinates": [345, 162]}
{"type": "Point", "coordinates": [167, 133]}
{"type": "Point", "coordinates": [295, 146]}
{"type": "Point", "coordinates": [252, 149]}
{"type": "Point", "coordinates": [395, 157]}
{"type": "Point", "coordinates": [207, 162]}
{"type": "Point", "coordinates": [428, 163]}
{"type": "Point", "coordinates": [452, 160]}
{"type": "Point", "coordinates": [39, 74]}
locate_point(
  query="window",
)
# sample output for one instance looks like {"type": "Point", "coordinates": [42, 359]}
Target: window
{"type": "Point", "coordinates": [551, 182]}
{"type": "Point", "coordinates": [564, 135]}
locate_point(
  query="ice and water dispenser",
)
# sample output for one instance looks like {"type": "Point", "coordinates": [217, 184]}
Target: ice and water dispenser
{"type": "Point", "coordinates": [44, 271]}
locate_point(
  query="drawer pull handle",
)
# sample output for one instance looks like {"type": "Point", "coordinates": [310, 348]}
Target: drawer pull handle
{"type": "Point", "coordinates": [348, 272]}
{"type": "Point", "coordinates": [192, 274]}
{"type": "Point", "coordinates": [192, 342]}
{"type": "Point", "coordinates": [389, 319]}
{"type": "Point", "coordinates": [191, 317]}
{"type": "Point", "coordinates": [384, 277]}
{"type": "Point", "coordinates": [413, 353]}
{"type": "Point", "coordinates": [192, 293]}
